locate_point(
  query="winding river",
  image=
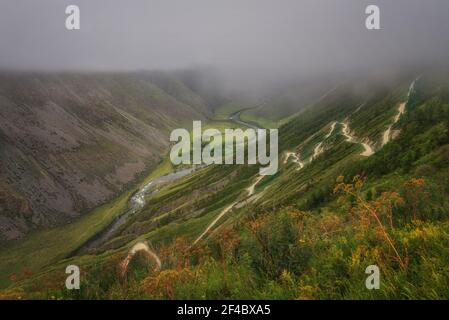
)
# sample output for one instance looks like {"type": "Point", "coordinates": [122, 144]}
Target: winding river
{"type": "Point", "coordinates": [136, 204]}
{"type": "Point", "coordinates": [139, 199]}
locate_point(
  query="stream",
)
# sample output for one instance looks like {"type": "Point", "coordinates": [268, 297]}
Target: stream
{"type": "Point", "coordinates": [139, 199]}
{"type": "Point", "coordinates": [136, 204]}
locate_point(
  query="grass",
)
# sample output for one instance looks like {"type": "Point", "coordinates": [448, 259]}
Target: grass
{"type": "Point", "coordinates": [221, 125]}
{"type": "Point", "coordinates": [190, 229]}
{"type": "Point", "coordinates": [225, 111]}
{"type": "Point", "coordinates": [48, 249]}
{"type": "Point", "coordinates": [302, 225]}
{"type": "Point", "coordinates": [247, 116]}
{"type": "Point", "coordinates": [45, 247]}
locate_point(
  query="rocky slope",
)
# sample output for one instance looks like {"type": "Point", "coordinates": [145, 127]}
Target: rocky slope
{"type": "Point", "coordinates": [69, 142]}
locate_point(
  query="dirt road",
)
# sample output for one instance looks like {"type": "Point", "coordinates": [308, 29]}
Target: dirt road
{"type": "Point", "coordinates": [140, 246]}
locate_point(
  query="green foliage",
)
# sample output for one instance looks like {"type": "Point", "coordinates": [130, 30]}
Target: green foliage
{"type": "Point", "coordinates": [298, 239]}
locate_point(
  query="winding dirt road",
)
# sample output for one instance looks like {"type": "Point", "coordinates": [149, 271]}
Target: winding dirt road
{"type": "Point", "coordinates": [140, 246]}
{"type": "Point", "coordinates": [401, 110]}
{"type": "Point", "coordinates": [295, 159]}
{"type": "Point", "coordinates": [319, 147]}
{"type": "Point", "coordinates": [387, 134]}
{"type": "Point", "coordinates": [251, 190]}
{"type": "Point", "coordinates": [368, 150]}
{"type": "Point", "coordinates": [332, 130]}
{"type": "Point", "coordinates": [317, 150]}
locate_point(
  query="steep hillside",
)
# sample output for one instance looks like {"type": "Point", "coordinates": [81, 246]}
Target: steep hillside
{"type": "Point", "coordinates": [69, 142]}
{"type": "Point", "coordinates": [307, 232]}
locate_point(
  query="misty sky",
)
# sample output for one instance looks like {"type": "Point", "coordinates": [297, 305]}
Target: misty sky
{"type": "Point", "coordinates": [277, 35]}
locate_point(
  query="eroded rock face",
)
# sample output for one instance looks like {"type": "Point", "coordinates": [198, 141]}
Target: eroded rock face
{"type": "Point", "coordinates": [69, 142]}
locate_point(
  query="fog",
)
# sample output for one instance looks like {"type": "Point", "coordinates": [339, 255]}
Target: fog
{"type": "Point", "coordinates": [243, 38]}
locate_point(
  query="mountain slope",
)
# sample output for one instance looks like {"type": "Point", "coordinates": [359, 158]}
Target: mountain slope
{"type": "Point", "coordinates": [307, 232]}
{"type": "Point", "coordinates": [70, 142]}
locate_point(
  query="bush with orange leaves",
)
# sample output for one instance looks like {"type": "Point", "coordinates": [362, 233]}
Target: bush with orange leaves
{"type": "Point", "coordinates": [12, 294]}
{"type": "Point", "coordinates": [378, 211]}
{"type": "Point", "coordinates": [24, 274]}
{"type": "Point", "coordinates": [162, 286]}
{"type": "Point", "coordinates": [282, 241]}
{"type": "Point", "coordinates": [181, 254]}
{"type": "Point", "coordinates": [415, 192]}
{"type": "Point", "coordinates": [330, 224]}
{"type": "Point", "coordinates": [186, 261]}
{"type": "Point", "coordinates": [228, 240]}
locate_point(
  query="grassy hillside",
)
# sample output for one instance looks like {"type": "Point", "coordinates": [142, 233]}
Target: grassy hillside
{"type": "Point", "coordinates": [306, 233]}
